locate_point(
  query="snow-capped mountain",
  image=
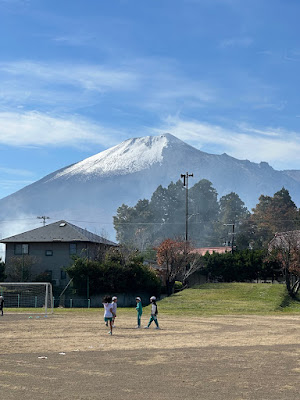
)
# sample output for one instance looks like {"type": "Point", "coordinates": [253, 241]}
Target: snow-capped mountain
{"type": "Point", "coordinates": [90, 191]}
{"type": "Point", "coordinates": [131, 156]}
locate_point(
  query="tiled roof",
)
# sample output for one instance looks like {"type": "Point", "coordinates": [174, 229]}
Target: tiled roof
{"type": "Point", "coordinates": [60, 231]}
{"type": "Point", "coordinates": [283, 238]}
{"type": "Point", "coordinates": [203, 250]}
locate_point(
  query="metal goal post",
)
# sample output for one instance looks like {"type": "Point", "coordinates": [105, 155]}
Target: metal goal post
{"type": "Point", "coordinates": [37, 297]}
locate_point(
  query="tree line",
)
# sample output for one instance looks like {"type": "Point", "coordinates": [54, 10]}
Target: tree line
{"type": "Point", "coordinates": [211, 222]}
{"type": "Point", "coordinates": [180, 262]}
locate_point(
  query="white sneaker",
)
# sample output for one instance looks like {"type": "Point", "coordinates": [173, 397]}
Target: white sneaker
{"type": "Point", "coordinates": [109, 333]}
{"type": "Point", "coordinates": [157, 327]}
{"type": "Point", "coordinates": [146, 327]}
{"type": "Point", "coordinates": [137, 327]}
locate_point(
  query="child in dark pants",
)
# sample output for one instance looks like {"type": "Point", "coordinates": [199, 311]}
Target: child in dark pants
{"type": "Point", "coordinates": [1, 304]}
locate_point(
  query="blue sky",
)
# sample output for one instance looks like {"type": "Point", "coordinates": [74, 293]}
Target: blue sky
{"type": "Point", "coordinates": [80, 76]}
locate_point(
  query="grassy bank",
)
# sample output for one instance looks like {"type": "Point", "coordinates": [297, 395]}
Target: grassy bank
{"type": "Point", "coordinates": [211, 299]}
{"type": "Point", "coordinates": [230, 299]}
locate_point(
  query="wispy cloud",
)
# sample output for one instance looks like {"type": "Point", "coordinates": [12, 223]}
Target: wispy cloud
{"type": "Point", "coordinates": [237, 42]}
{"type": "Point", "coordinates": [37, 129]}
{"type": "Point", "coordinates": [292, 55]}
{"type": "Point", "coordinates": [15, 171]}
{"type": "Point", "coordinates": [75, 39]}
{"type": "Point", "coordinates": [154, 83]}
{"type": "Point", "coordinates": [90, 77]}
{"type": "Point", "coordinates": [276, 146]}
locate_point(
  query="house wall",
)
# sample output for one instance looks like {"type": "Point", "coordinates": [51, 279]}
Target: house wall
{"type": "Point", "coordinates": [59, 259]}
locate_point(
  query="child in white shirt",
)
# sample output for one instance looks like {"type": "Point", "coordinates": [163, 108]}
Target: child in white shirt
{"type": "Point", "coordinates": [108, 312]}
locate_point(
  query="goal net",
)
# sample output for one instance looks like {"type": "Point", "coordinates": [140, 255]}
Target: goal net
{"type": "Point", "coordinates": [37, 297]}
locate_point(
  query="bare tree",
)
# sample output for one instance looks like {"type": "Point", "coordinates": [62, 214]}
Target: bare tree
{"type": "Point", "coordinates": [175, 257]}
{"type": "Point", "coordinates": [285, 247]}
{"type": "Point", "coordinates": [196, 263]}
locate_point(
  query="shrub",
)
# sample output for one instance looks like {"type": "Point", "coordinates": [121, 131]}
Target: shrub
{"type": "Point", "coordinates": [178, 286]}
{"type": "Point", "coordinates": [111, 276]}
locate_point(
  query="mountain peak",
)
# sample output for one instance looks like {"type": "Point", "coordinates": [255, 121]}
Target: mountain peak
{"type": "Point", "coordinates": [130, 156]}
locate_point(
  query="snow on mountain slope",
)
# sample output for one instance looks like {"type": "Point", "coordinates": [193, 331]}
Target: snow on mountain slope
{"type": "Point", "coordinates": [128, 157]}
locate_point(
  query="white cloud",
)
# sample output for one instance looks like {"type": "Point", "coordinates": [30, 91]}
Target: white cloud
{"type": "Point", "coordinates": [281, 148]}
{"type": "Point", "coordinates": [152, 83]}
{"type": "Point", "coordinates": [37, 129]}
{"type": "Point", "coordinates": [90, 77]}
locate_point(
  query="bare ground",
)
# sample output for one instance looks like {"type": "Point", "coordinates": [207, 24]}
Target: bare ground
{"type": "Point", "coordinates": [216, 358]}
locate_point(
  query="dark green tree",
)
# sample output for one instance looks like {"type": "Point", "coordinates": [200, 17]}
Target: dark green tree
{"type": "Point", "coordinates": [203, 214]}
{"type": "Point", "coordinates": [272, 214]}
{"type": "Point", "coordinates": [149, 222]}
{"type": "Point", "coordinates": [134, 225]}
{"type": "Point", "coordinates": [240, 266]}
{"type": "Point", "coordinates": [233, 215]}
{"type": "Point", "coordinates": [2, 271]}
{"type": "Point", "coordinates": [168, 207]}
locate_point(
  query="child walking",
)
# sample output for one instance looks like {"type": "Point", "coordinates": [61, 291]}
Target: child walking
{"type": "Point", "coordinates": [114, 309]}
{"type": "Point", "coordinates": [139, 309]}
{"type": "Point", "coordinates": [108, 312]}
{"type": "Point", "coordinates": [154, 313]}
{"type": "Point", "coordinates": [1, 304]}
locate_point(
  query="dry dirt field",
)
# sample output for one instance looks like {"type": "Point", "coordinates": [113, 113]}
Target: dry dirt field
{"type": "Point", "coordinates": [216, 358]}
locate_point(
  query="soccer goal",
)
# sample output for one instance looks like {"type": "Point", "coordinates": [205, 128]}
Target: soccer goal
{"type": "Point", "coordinates": [37, 297]}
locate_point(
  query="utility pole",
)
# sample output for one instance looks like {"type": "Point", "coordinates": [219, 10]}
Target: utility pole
{"type": "Point", "coordinates": [232, 236]}
{"type": "Point", "coordinates": [43, 217]}
{"type": "Point", "coordinates": [186, 185]}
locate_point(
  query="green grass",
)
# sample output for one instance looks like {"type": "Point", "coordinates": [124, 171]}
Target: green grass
{"type": "Point", "coordinates": [214, 299]}
{"type": "Point", "coordinates": [230, 299]}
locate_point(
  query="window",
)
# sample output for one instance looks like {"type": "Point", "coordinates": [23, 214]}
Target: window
{"type": "Point", "coordinates": [21, 249]}
{"type": "Point", "coordinates": [48, 253]}
{"type": "Point", "coordinates": [73, 248]}
{"type": "Point", "coordinates": [63, 274]}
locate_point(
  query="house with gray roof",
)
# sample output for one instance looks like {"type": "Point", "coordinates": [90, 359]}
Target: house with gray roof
{"type": "Point", "coordinates": [43, 253]}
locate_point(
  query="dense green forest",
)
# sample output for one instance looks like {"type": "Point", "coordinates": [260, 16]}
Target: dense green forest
{"type": "Point", "coordinates": [211, 221]}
